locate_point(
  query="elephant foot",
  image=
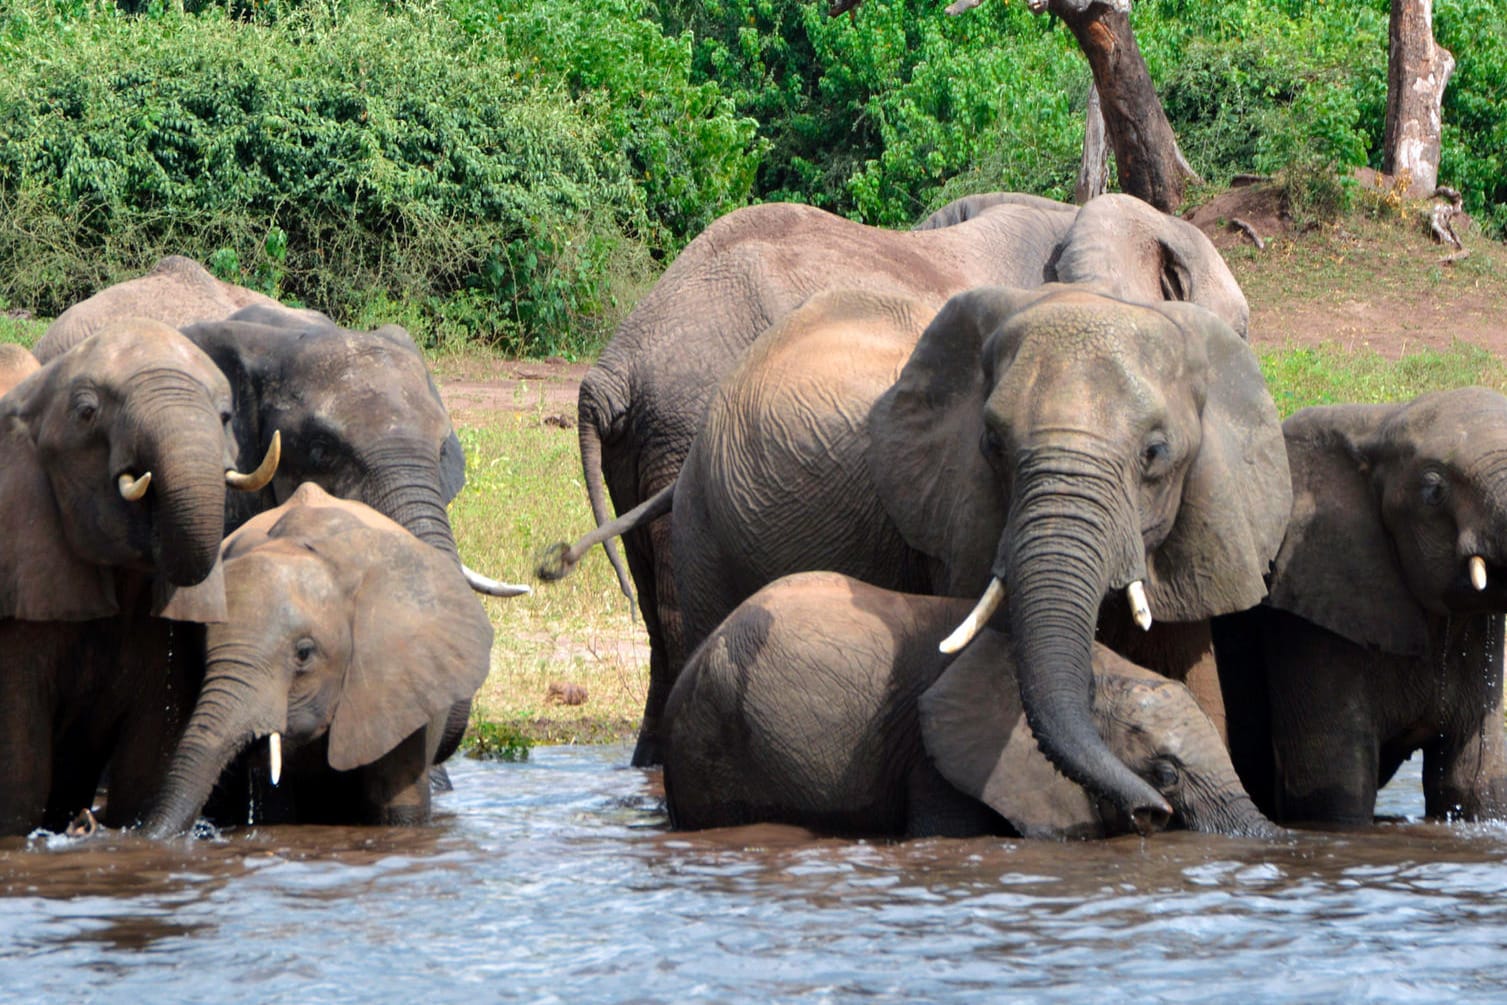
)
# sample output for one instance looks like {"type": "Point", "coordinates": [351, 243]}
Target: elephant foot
{"type": "Point", "coordinates": [647, 752]}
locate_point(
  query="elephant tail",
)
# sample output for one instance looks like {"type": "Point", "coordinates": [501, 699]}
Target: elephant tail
{"type": "Point", "coordinates": [558, 560]}
{"type": "Point", "coordinates": [596, 491]}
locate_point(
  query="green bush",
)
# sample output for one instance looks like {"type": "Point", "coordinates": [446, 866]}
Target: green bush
{"type": "Point", "coordinates": [335, 154]}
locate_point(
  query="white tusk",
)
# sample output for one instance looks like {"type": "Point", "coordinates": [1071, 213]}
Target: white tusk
{"type": "Point", "coordinates": [981, 613]}
{"type": "Point", "coordinates": [493, 587]}
{"type": "Point", "coordinates": [1135, 593]}
{"type": "Point", "coordinates": [275, 755]}
{"type": "Point", "coordinates": [1478, 572]}
{"type": "Point", "coordinates": [258, 479]}
{"type": "Point", "coordinates": [132, 489]}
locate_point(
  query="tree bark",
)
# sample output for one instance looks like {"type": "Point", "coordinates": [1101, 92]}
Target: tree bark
{"type": "Point", "coordinates": [1093, 173]}
{"type": "Point", "coordinates": [1147, 158]}
{"type": "Point", "coordinates": [1417, 71]}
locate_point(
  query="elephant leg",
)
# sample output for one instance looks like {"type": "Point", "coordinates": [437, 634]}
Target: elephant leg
{"type": "Point", "coordinates": [1241, 660]}
{"type": "Point", "coordinates": [396, 788]}
{"type": "Point", "coordinates": [26, 767]}
{"type": "Point", "coordinates": [650, 563]}
{"type": "Point", "coordinates": [1324, 740]}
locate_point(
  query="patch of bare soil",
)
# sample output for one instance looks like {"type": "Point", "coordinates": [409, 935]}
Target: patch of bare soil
{"type": "Point", "coordinates": [475, 386]}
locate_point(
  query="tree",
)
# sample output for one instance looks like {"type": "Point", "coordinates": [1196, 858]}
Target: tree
{"type": "Point", "coordinates": [1417, 71]}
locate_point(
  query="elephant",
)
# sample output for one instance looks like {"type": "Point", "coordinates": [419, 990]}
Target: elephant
{"type": "Point", "coordinates": [347, 641]}
{"type": "Point", "coordinates": [16, 364]}
{"type": "Point", "coordinates": [114, 462]}
{"type": "Point", "coordinates": [825, 702]}
{"type": "Point", "coordinates": [178, 291]}
{"type": "Point", "coordinates": [1089, 452]}
{"type": "Point", "coordinates": [643, 400]}
{"type": "Point", "coordinates": [1382, 633]}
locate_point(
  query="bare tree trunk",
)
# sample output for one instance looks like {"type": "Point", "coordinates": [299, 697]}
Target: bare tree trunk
{"type": "Point", "coordinates": [1147, 158]}
{"type": "Point", "coordinates": [1093, 173]}
{"type": "Point", "coordinates": [1417, 71]}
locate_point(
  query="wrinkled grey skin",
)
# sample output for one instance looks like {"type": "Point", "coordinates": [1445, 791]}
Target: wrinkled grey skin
{"type": "Point", "coordinates": [824, 702]}
{"type": "Point", "coordinates": [16, 364]}
{"type": "Point", "coordinates": [1373, 643]}
{"type": "Point", "coordinates": [178, 291]}
{"type": "Point", "coordinates": [359, 416]}
{"type": "Point", "coordinates": [349, 638]}
{"type": "Point", "coordinates": [643, 401]}
{"type": "Point", "coordinates": [1064, 442]}
{"type": "Point", "coordinates": [87, 576]}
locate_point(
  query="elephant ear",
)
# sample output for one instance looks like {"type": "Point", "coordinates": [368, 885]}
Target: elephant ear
{"type": "Point", "coordinates": [974, 728]}
{"type": "Point", "coordinates": [203, 603]}
{"type": "Point", "coordinates": [924, 437]}
{"type": "Point", "coordinates": [41, 579]}
{"type": "Point", "coordinates": [421, 643]}
{"type": "Point", "coordinates": [1236, 495]}
{"type": "Point", "coordinates": [1337, 567]}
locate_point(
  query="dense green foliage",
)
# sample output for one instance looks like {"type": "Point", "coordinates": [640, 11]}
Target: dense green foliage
{"type": "Point", "coordinates": [513, 171]}
{"type": "Point", "coordinates": [333, 154]}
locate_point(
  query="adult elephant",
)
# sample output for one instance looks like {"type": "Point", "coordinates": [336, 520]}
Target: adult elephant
{"type": "Point", "coordinates": [642, 402]}
{"type": "Point", "coordinates": [114, 461]}
{"type": "Point", "coordinates": [1382, 634]}
{"type": "Point", "coordinates": [1085, 450]}
{"type": "Point", "coordinates": [16, 364]}
{"type": "Point", "coordinates": [347, 641]}
{"type": "Point", "coordinates": [178, 291]}
{"type": "Point", "coordinates": [824, 702]}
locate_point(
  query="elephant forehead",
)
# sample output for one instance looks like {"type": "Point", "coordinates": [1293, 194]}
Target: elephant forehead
{"type": "Point", "coordinates": [1451, 425]}
{"type": "Point", "coordinates": [132, 345]}
{"type": "Point", "coordinates": [370, 381]}
{"type": "Point", "coordinates": [280, 575]}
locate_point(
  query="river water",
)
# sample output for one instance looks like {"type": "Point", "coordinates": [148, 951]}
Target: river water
{"type": "Point", "coordinates": [555, 880]}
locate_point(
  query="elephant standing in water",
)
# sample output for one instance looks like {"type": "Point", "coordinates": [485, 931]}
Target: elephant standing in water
{"type": "Point", "coordinates": [824, 702]}
{"type": "Point", "coordinates": [1382, 634]}
{"type": "Point", "coordinates": [114, 462]}
{"type": "Point", "coordinates": [348, 640]}
{"type": "Point", "coordinates": [1115, 464]}
{"type": "Point", "coordinates": [643, 401]}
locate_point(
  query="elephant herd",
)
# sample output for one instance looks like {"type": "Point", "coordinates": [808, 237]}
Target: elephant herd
{"type": "Point", "coordinates": [987, 527]}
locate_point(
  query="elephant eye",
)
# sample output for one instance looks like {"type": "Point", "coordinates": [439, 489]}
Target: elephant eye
{"type": "Point", "coordinates": [304, 651]}
{"type": "Point", "coordinates": [1157, 456]}
{"type": "Point", "coordinates": [989, 443]}
{"type": "Point", "coordinates": [85, 407]}
{"type": "Point", "coordinates": [1432, 489]}
{"type": "Point", "coordinates": [1163, 774]}
{"type": "Point", "coordinates": [225, 418]}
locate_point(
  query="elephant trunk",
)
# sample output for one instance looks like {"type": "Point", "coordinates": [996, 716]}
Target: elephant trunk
{"type": "Point", "coordinates": [230, 713]}
{"type": "Point", "coordinates": [408, 492]}
{"type": "Point", "coordinates": [181, 443]}
{"type": "Point", "coordinates": [1065, 541]}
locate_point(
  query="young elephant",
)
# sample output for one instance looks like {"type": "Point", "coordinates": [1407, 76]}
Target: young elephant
{"type": "Point", "coordinates": [1382, 633]}
{"type": "Point", "coordinates": [824, 702]}
{"type": "Point", "coordinates": [348, 639]}
{"type": "Point", "coordinates": [16, 364]}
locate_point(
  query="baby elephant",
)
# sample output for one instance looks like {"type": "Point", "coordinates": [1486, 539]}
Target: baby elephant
{"type": "Point", "coordinates": [347, 641]}
{"type": "Point", "coordinates": [824, 702]}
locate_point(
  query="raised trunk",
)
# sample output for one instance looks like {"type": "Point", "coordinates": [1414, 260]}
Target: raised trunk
{"type": "Point", "coordinates": [1063, 543]}
{"type": "Point", "coordinates": [1417, 71]}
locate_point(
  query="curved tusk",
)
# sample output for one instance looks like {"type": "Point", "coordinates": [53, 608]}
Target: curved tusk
{"type": "Point", "coordinates": [275, 755]}
{"type": "Point", "coordinates": [1478, 572]}
{"type": "Point", "coordinates": [132, 489]}
{"type": "Point", "coordinates": [258, 479]}
{"type": "Point", "coordinates": [981, 613]}
{"type": "Point", "coordinates": [1140, 610]}
{"type": "Point", "coordinates": [492, 587]}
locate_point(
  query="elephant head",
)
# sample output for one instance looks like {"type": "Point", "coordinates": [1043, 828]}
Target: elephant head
{"type": "Point", "coordinates": [116, 455]}
{"type": "Point", "coordinates": [341, 625]}
{"type": "Point", "coordinates": [1399, 516]}
{"type": "Point", "coordinates": [1130, 249]}
{"type": "Point", "coordinates": [1069, 446]}
{"type": "Point", "coordinates": [974, 728]}
{"type": "Point", "coordinates": [358, 412]}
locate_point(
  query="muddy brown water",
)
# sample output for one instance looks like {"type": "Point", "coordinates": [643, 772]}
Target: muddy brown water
{"type": "Point", "coordinates": [555, 880]}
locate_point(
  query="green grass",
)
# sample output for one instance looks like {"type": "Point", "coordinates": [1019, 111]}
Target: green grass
{"type": "Point", "coordinates": [23, 330]}
{"type": "Point", "coordinates": [1330, 375]}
